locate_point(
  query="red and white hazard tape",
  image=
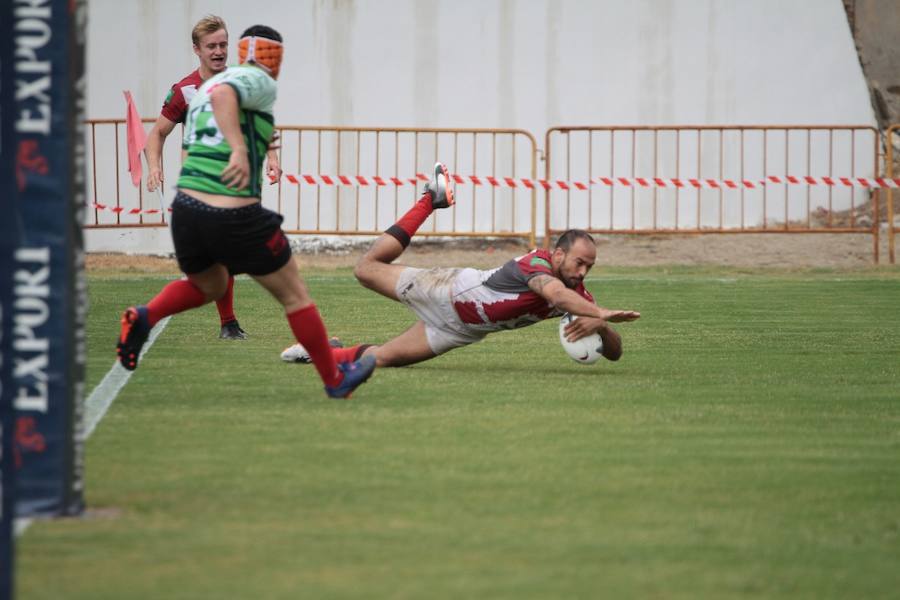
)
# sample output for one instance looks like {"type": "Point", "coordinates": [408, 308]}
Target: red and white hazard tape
{"type": "Point", "coordinates": [643, 182]}
{"type": "Point", "coordinates": [127, 211]}
{"type": "Point", "coordinates": [362, 181]}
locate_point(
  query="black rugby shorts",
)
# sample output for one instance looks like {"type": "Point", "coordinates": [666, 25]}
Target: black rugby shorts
{"type": "Point", "coordinates": [246, 240]}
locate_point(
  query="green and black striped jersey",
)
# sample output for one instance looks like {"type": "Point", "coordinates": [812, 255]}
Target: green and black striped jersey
{"type": "Point", "coordinates": [207, 150]}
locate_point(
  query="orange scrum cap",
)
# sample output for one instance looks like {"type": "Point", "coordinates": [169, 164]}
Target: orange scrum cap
{"type": "Point", "coordinates": [262, 51]}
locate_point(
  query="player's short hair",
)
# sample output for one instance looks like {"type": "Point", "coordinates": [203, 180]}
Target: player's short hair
{"type": "Point", "coordinates": [568, 238]}
{"type": "Point", "coordinates": [262, 31]}
{"type": "Point", "coordinates": [205, 26]}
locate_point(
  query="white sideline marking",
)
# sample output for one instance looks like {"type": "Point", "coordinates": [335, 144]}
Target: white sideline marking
{"type": "Point", "coordinates": [115, 379]}
{"type": "Point", "coordinates": [100, 400]}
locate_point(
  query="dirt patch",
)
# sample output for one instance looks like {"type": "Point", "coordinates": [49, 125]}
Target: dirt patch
{"type": "Point", "coordinates": [840, 251]}
{"type": "Point", "coordinates": [743, 250]}
{"type": "Point", "coordinates": [130, 263]}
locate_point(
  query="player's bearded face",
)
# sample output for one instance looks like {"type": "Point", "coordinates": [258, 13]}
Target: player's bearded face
{"type": "Point", "coordinates": [576, 263]}
{"type": "Point", "coordinates": [213, 50]}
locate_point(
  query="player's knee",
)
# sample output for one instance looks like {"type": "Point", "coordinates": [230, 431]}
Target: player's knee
{"type": "Point", "coordinates": [363, 272]}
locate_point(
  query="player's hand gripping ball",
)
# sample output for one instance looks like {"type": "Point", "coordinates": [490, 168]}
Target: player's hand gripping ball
{"type": "Point", "coordinates": [586, 350]}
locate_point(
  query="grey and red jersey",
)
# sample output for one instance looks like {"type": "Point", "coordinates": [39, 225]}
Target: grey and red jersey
{"type": "Point", "coordinates": [501, 299]}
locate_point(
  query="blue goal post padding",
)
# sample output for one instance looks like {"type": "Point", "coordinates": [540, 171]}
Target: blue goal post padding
{"type": "Point", "coordinates": [48, 303]}
{"type": "Point", "coordinates": [9, 239]}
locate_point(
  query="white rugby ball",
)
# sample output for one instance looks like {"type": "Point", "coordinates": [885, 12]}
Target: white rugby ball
{"type": "Point", "coordinates": [587, 350]}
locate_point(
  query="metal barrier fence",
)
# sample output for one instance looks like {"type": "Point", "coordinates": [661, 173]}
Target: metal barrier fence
{"type": "Point", "coordinates": [350, 181]}
{"type": "Point", "coordinates": [393, 156]}
{"type": "Point", "coordinates": [113, 198]}
{"type": "Point", "coordinates": [638, 180]}
{"type": "Point", "coordinates": [629, 173]}
{"type": "Point", "coordinates": [889, 170]}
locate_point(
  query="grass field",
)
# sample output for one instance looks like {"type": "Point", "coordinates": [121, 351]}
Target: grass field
{"type": "Point", "coordinates": [747, 445]}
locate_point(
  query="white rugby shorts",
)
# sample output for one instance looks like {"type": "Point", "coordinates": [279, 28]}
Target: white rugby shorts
{"type": "Point", "coordinates": [428, 293]}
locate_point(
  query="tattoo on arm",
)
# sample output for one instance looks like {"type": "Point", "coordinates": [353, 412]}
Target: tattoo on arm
{"type": "Point", "coordinates": [539, 282]}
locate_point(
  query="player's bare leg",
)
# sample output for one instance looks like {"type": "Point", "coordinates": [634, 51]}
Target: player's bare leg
{"type": "Point", "coordinates": [213, 282]}
{"type": "Point", "coordinates": [375, 269]}
{"type": "Point", "coordinates": [408, 348]}
{"type": "Point", "coordinates": [287, 287]}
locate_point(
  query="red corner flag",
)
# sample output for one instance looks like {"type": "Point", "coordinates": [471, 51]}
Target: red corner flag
{"type": "Point", "coordinates": [137, 139]}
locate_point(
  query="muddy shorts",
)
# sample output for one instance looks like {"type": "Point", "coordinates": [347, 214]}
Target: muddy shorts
{"type": "Point", "coordinates": [427, 292]}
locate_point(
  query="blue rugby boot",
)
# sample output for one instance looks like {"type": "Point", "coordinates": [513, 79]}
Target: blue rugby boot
{"type": "Point", "coordinates": [355, 374]}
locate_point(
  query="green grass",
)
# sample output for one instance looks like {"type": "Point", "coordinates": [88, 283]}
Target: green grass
{"type": "Point", "coordinates": [747, 445]}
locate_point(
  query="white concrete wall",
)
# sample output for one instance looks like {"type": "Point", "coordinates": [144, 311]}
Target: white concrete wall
{"type": "Point", "coordinates": [528, 64]}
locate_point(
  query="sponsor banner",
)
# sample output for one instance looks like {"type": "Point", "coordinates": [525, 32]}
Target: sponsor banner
{"type": "Point", "coordinates": [9, 239]}
{"type": "Point", "coordinates": [49, 299]}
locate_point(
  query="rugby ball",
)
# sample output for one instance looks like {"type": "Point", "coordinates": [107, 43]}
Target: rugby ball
{"type": "Point", "coordinates": [587, 350]}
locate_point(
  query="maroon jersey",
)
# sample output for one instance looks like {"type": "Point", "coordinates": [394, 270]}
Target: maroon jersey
{"type": "Point", "coordinates": [501, 299]}
{"type": "Point", "coordinates": [175, 105]}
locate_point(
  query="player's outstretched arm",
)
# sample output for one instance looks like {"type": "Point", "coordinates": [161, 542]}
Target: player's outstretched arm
{"type": "Point", "coordinates": [556, 293]}
{"type": "Point", "coordinates": [155, 140]}
{"type": "Point", "coordinates": [620, 316]}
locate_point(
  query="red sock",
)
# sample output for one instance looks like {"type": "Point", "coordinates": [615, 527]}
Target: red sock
{"type": "Point", "coordinates": [310, 331]}
{"type": "Point", "coordinates": [346, 354]}
{"type": "Point", "coordinates": [225, 304]}
{"type": "Point", "coordinates": [415, 216]}
{"type": "Point", "coordinates": [176, 297]}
